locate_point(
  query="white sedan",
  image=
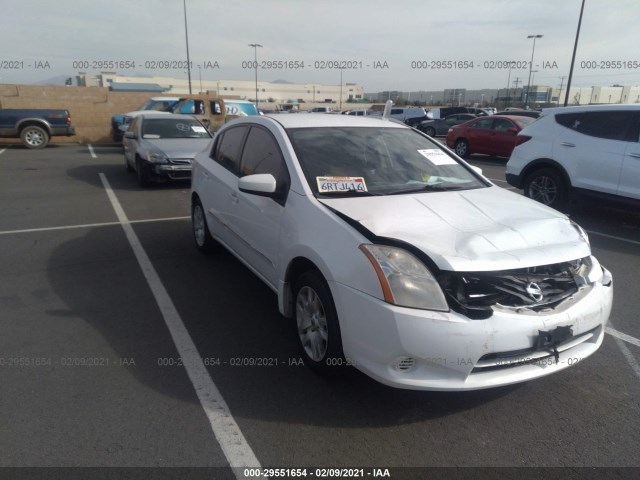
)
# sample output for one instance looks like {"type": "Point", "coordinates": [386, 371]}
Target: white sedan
{"type": "Point", "coordinates": [395, 256]}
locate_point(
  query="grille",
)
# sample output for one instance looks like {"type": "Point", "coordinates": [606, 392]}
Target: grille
{"type": "Point", "coordinates": [535, 288]}
{"type": "Point", "coordinates": [180, 161]}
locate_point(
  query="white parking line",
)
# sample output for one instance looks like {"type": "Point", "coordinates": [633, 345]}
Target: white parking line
{"type": "Point", "coordinates": [622, 336]}
{"type": "Point", "coordinates": [635, 242]}
{"type": "Point", "coordinates": [91, 225]}
{"type": "Point", "coordinates": [235, 447]}
{"type": "Point", "coordinates": [93, 154]}
{"type": "Point", "coordinates": [2, 151]}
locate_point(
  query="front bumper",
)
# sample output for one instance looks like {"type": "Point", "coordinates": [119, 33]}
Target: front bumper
{"type": "Point", "coordinates": [171, 172]}
{"type": "Point", "coordinates": [514, 180]}
{"type": "Point", "coordinates": [427, 350]}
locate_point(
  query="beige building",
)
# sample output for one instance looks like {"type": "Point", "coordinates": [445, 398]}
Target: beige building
{"type": "Point", "coordinates": [271, 92]}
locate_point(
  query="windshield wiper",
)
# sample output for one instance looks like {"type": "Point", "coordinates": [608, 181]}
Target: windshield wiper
{"type": "Point", "coordinates": [348, 193]}
{"type": "Point", "coordinates": [427, 188]}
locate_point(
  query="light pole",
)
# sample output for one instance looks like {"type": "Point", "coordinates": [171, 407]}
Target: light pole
{"type": "Point", "coordinates": [526, 98]}
{"type": "Point", "coordinates": [255, 64]}
{"type": "Point", "coordinates": [186, 36]}
{"type": "Point", "coordinates": [341, 88]}
{"type": "Point", "coordinates": [200, 75]}
{"type": "Point", "coordinates": [573, 57]}
{"type": "Point", "coordinates": [508, 100]}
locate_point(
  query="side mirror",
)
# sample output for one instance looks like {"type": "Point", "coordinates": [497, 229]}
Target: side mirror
{"type": "Point", "coordinates": [129, 135]}
{"type": "Point", "coordinates": [512, 130]}
{"type": "Point", "coordinates": [263, 184]}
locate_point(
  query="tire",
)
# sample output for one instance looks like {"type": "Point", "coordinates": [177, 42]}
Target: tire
{"type": "Point", "coordinates": [143, 173]}
{"type": "Point", "coordinates": [547, 186]}
{"type": "Point", "coordinates": [430, 131]}
{"type": "Point", "coordinates": [461, 148]}
{"type": "Point", "coordinates": [201, 236]}
{"type": "Point", "coordinates": [127, 164]}
{"type": "Point", "coordinates": [34, 137]}
{"type": "Point", "coordinates": [317, 325]}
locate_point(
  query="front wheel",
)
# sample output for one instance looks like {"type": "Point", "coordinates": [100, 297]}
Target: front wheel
{"type": "Point", "coordinates": [201, 235]}
{"type": "Point", "coordinates": [546, 186]}
{"type": "Point", "coordinates": [461, 148]}
{"type": "Point", "coordinates": [34, 137]}
{"type": "Point", "coordinates": [143, 173]}
{"type": "Point", "coordinates": [317, 324]}
{"type": "Point", "coordinates": [430, 131]}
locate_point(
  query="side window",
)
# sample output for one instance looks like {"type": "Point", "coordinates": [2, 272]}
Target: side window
{"type": "Point", "coordinates": [214, 107]}
{"type": "Point", "coordinates": [263, 155]}
{"type": "Point", "coordinates": [199, 107]}
{"type": "Point", "coordinates": [502, 124]}
{"type": "Point", "coordinates": [570, 120]}
{"type": "Point", "coordinates": [483, 123]}
{"type": "Point", "coordinates": [613, 125]}
{"type": "Point", "coordinates": [133, 128]}
{"type": "Point", "coordinates": [228, 149]}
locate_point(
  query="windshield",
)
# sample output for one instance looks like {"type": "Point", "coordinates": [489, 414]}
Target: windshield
{"type": "Point", "coordinates": [377, 160]}
{"type": "Point", "coordinates": [173, 128]}
{"type": "Point", "coordinates": [158, 105]}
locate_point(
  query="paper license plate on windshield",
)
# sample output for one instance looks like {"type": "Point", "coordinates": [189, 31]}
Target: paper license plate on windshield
{"type": "Point", "coordinates": [341, 184]}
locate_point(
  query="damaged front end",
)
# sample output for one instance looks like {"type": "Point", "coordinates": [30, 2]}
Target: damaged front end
{"type": "Point", "coordinates": [529, 290]}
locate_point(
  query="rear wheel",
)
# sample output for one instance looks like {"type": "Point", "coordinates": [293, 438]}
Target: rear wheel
{"type": "Point", "coordinates": [430, 131]}
{"type": "Point", "coordinates": [547, 186]}
{"type": "Point", "coordinates": [202, 237]}
{"type": "Point", "coordinates": [317, 324]}
{"type": "Point", "coordinates": [461, 148]}
{"type": "Point", "coordinates": [34, 137]}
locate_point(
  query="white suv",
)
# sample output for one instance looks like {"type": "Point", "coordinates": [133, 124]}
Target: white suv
{"type": "Point", "coordinates": [587, 149]}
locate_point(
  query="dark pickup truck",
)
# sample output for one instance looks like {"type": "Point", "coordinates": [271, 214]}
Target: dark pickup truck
{"type": "Point", "coordinates": [35, 127]}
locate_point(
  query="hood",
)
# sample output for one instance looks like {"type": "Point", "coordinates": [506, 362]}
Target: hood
{"type": "Point", "coordinates": [487, 229]}
{"type": "Point", "coordinates": [179, 147]}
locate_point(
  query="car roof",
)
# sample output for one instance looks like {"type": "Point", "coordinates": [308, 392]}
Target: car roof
{"type": "Point", "coordinates": [590, 108]}
{"type": "Point", "coordinates": [319, 121]}
{"type": "Point", "coordinates": [165, 115]}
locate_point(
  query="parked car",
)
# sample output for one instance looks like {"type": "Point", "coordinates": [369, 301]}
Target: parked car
{"type": "Point", "coordinates": [590, 150]}
{"type": "Point", "coordinates": [395, 256]}
{"type": "Point", "coordinates": [161, 146]}
{"type": "Point", "coordinates": [441, 126]}
{"type": "Point", "coordinates": [120, 122]}
{"type": "Point", "coordinates": [321, 110]}
{"type": "Point", "coordinates": [34, 127]}
{"type": "Point", "coordinates": [491, 135]}
{"type": "Point", "coordinates": [521, 113]}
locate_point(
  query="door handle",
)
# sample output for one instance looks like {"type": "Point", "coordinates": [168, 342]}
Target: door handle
{"type": "Point", "coordinates": [634, 155]}
{"type": "Point", "coordinates": [567, 144]}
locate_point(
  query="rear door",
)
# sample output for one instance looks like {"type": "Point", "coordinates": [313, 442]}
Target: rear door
{"type": "Point", "coordinates": [502, 141]}
{"type": "Point", "coordinates": [478, 135]}
{"type": "Point", "coordinates": [593, 147]}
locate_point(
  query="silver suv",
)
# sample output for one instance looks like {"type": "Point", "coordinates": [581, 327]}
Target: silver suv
{"type": "Point", "coordinates": [593, 150]}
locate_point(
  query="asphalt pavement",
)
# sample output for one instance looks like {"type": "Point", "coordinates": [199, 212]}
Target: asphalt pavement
{"type": "Point", "coordinates": [94, 370]}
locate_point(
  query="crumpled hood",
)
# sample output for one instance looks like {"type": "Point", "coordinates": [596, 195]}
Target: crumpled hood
{"type": "Point", "coordinates": [486, 229]}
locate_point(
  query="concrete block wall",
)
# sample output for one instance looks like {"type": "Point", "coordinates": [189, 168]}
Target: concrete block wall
{"type": "Point", "coordinates": [91, 108]}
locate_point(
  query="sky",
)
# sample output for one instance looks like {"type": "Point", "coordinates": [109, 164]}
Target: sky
{"type": "Point", "coordinates": [405, 45]}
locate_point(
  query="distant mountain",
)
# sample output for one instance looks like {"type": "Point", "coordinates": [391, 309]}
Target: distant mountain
{"type": "Point", "coordinates": [57, 80]}
{"type": "Point", "coordinates": [280, 81]}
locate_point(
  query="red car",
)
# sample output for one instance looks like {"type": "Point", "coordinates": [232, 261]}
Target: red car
{"type": "Point", "coordinates": [491, 135]}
